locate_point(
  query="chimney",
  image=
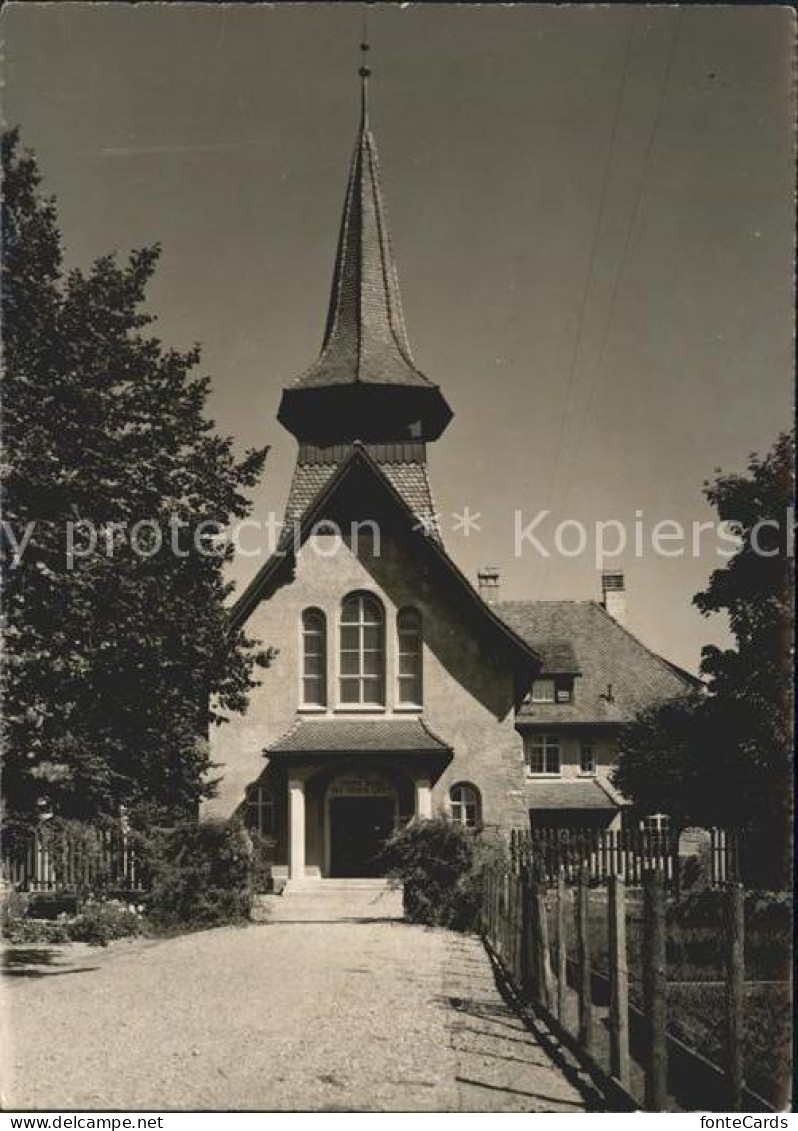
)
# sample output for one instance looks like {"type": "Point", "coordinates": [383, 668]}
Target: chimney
{"type": "Point", "coordinates": [613, 594]}
{"type": "Point", "coordinates": [488, 579]}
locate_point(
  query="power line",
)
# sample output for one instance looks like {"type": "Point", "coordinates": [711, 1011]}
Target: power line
{"type": "Point", "coordinates": [620, 273]}
{"type": "Point", "coordinates": [572, 366]}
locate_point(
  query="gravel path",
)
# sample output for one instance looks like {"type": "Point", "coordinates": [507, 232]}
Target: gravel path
{"type": "Point", "coordinates": [372, 1016]}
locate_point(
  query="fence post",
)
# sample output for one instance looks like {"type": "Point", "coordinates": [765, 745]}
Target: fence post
{"type": "Point", "coordinates": [546, 989]}
{"type": "Point", "coordinates": [485, 913]}
{"type": "Point", "coordinates": [518, 925]}
{"type": "Point", "coordinates": [508, 947]}
{"type": "Point", "coordinates": [735, 974]}
{"type": "Point", "coordinates": [583, 963]}
{"type": "Point", "coordinates": [500, 891]}
{"type": "Point", "coordinates": [654, 991]}
{"type": "Point", "coordinates": [505, 915]}
{"type": "Point", "coordinates": [619, 982]}
{"type": "Point", "coordinates": [562, 948]}
{"type": "Point", "coordinates": [527, 941]}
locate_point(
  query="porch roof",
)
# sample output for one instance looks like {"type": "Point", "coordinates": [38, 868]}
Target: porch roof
{"type": "Point", "coordinates": [363, 736]}
{"type": "Point", "coordinates": [576, 794]}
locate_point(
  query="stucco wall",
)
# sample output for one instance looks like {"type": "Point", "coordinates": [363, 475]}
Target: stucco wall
{"type": "Point", "coordinates": [468, 689]}
{"type": "Point", "coordinates": [606, 750]}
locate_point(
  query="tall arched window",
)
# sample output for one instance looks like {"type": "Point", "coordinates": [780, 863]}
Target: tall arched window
{"type": "Point", "coordinates": [362, 651]}
{"type": "Point", "coordinates": [464, 804]}
{"type": "Point", "coordinates": [411, 675]}
{"type": "Point", "coordinates": [314, 658]}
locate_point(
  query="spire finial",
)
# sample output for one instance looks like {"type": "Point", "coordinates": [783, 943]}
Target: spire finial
{"type": "Point", "coordinates": [364, 72]}
{"type": "Point", "coordinates": [365, 69]}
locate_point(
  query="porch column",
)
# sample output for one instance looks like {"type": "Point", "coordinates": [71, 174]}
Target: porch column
{"type": "Point", "coordinates": [423, 799]}
{"type": "Point", "coordinates": [296, 825]}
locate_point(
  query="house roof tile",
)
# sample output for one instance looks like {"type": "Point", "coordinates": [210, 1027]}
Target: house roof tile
{"type": "Point", "coordinates": [619, 674]}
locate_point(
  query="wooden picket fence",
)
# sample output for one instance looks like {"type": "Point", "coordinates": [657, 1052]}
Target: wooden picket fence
{"type": "Point", "coordinates": [75, 860]}
{"type": "Point", "coordinates": [528, 927]}
{"type": "Point", "coordinates": [629, 853]}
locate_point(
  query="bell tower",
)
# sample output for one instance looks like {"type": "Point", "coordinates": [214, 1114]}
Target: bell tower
{"type": "Point", "coordinates": [364, 387]}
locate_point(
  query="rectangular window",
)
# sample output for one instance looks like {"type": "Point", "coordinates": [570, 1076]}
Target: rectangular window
{"type": "Point", "coordinates": [260, 809]}
{"type": "Point", "coordinates": [656, 823]}
{"type": "Point", "coordinates": [587, 758]}
{"type": "Point", "coordinates": [410, 658]}
{"type": "Point", "coordinates": [543, 691]}
{"type": "Point", "coordinates": [314, 658]}
{"type": "Point", "coordinates": [543, 754]}
{"type": "Point", "coordinates": [565, 690]}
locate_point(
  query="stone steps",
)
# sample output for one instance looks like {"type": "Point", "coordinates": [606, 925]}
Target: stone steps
{"type": "Point", "coordinates": [330, 901]}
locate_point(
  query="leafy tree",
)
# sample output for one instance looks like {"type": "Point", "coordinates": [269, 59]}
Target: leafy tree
{"type": "Point", "coordinates": [117, 656]}
{"type": "Point", "coordinates": [724, 757]}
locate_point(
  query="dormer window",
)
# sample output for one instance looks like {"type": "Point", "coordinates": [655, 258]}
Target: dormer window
{"type": "Point", "coordinates": [565, 689]}
{"type": "Point", "coordinates": [553, 689]}
{"type": "Point", "coordinates": [543, 691]}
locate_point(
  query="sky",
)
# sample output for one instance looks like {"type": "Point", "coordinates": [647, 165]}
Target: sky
{"type": "Point", "coordinates": [591, 210]}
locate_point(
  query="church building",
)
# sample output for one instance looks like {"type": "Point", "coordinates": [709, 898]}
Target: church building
{"type": "Point", "coordinates": [401, 690]}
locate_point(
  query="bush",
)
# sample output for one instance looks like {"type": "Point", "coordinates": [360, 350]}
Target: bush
{"type": "Point", "coordinates": [200, 875]}
{"type": "Point", "coordinates": [99, 923]}
{"type": "Point", "coordinates": [441, 865]}
{"type": "Point", "coordinates": [17, 927]}
{"type": "Point", "coordinates": [52, 932]}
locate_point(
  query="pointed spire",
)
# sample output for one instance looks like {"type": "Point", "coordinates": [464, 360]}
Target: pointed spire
{"type": "Point", "coordinates": [365, 339]}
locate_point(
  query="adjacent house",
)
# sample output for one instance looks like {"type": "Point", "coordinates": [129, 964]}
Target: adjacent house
{"type": "Point", "coordinates": [400, 689]}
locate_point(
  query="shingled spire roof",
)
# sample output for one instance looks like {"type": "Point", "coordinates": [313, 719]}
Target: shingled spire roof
{"type": "Point", "coordinates": [366, 337]}
{"type": "Point", "coordinates": [365, 341]}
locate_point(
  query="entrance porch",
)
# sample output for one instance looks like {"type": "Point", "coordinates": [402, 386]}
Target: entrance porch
{"type": "Point", "coordinates": [344, 786]}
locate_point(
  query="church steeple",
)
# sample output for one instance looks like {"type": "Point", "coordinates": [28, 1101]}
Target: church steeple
{"type": "Point", "coordinates": [364, 385]}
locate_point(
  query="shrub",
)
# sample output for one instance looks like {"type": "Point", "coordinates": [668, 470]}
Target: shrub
{"type": "Point", "coordinates": [99, 923]}
{"type": "Point", "coordinates": [13, 909]}
{"type": "Point", "coordinates": [18, 927]}
{"type": "Point", "coordinates": [200, 874]}
{"type": "Point", "coordinates": [28, 931]}
{"type": "Point", "coordinates": [441, 865]}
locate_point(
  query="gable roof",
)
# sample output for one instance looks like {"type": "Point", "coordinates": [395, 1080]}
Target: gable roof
{"type": "Point", "coordinates": [524, 653]}
{"type": "Point", "coordinates": [606, 654]}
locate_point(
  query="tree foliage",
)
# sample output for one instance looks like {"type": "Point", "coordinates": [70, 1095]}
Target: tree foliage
{"type": "Point", "coordinates": [724, 757]}
{"type": "Point", "coordinates": [441, 866]}
{"type": "Point", "coordinates": [112, 656]}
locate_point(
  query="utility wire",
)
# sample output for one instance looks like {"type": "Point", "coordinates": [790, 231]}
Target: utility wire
{"type": "Point", "coordinates": [620, 273]}
{"type": "Point", "coordinates": [589, 276]}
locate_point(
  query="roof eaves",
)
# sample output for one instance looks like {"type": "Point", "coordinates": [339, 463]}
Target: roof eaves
{"type": "Point", "coordinates": [435, 737]}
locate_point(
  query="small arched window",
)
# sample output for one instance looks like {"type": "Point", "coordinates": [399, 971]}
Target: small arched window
{"type": "Point", "coordinates": [260, 809]}
{"type": "Point", "coordinates": [411, 673]}
{"type": "Point", "coordinates": [362, 674]}
{"type": "Point", "coordinates": [464, 804]}
{"type": "Point", "coordinates": [314, 658]}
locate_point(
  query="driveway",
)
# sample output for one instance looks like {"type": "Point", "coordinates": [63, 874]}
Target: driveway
{"type": "Point", "coordinates": [369, 1016]}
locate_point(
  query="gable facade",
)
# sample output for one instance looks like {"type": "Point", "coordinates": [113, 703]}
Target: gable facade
{"type": "Point", "coordinates": [304, 733]}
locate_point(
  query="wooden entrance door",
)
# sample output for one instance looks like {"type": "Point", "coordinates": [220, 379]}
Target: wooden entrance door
{"type": "Point", "coordinates": [359, 827]}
